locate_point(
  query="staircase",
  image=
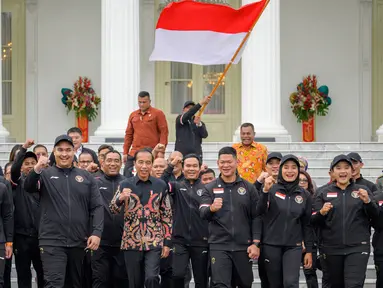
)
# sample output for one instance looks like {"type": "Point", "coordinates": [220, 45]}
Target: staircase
{"type": "Point", "coordinates": [319, 156]}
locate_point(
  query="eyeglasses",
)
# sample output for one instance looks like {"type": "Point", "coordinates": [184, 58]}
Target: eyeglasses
{"type": "Point", "coordinates": [303, 180]}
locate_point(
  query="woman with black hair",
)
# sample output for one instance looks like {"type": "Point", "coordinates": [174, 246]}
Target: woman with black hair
{"type": "Point", "coordinates": [342, 213]}
{"type": "Point", "coordinates": [306, 183]}
{"type": "Point", "coordinates": [286, 210]}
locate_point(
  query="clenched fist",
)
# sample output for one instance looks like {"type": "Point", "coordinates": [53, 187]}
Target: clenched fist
{"type": "Point", "coordinates": [262, 177]}
{"type": "Point", "coordinates": [125, 194]}
{"type": "Point", "coordinates": [28, 144]}
{"type": "Point", "coordinates": [363, 195]}
{"type": "Point", "coordinates": [269, 181]}
{"type": "Point", "coordinates": [217, 205]}
{"type": "Point", "coordinates": [325, 209]}
{"type": "Point", "coordinates": [43, 163]}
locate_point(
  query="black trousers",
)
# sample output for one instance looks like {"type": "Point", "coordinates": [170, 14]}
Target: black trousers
{"type": "Point", "coordinates": [143, 268]}
{"type": "Point", "coordinates": [182, 255]}
{"type": "Point", "coordinates": [379, 271]}
{"type": "Point", "coordinates": [311, 274]}
{"type": "Point", "coordinates": [347, 270]}
{"type": "Point", "coordinates": [325, 272]}
{"type": "Point", "coordinates": [166, 270]}
{"type": "Point", "coordinates": [262, 270]}
{"type": "Point", "coordinates": [282, 265]}
{"type": "Point", "coordinates": [231, 269]}
{"type": "Point", "coordinates": [87, 270]}
{"type": "Point", "coordinates": [7, 273]}
{"type": "Point", "coordinates": [27, 252]}
{"type": "Point", "coordinates": [62, 266]}
{"type": "Point", "coordinates": [108, 268]}
{"type": "Point", "coordinates": [2, 264]}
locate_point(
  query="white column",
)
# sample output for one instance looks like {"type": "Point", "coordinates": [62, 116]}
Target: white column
{"type": "Point", "coordinates": [4, 134]}
{"type": "Point", "coordinates": [261, 92]}
{"type": "Point", "coordinates": [120, 66]}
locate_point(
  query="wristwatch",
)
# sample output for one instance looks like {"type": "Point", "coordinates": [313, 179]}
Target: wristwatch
{"type": "Point", "coordinates": [258, 244]}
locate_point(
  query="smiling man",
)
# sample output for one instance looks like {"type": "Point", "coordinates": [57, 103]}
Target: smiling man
{"type": "Point", "coordinates": [147, 222]}
{"type": "Point", "coordinates": [251, 155]}
{"type": "Point", "coordinates": [72, 216]}
{"type": "Point", "coordinates": [190, 232]}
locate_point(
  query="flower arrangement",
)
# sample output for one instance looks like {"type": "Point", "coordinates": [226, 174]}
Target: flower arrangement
{"type": "Point", "coordinates": [83, 100]}
{"type": "Point", "coordinates": [309, 100]}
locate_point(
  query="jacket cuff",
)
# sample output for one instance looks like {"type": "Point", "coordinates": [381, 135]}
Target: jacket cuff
{"type": "Point", "coordinates": [309, 249]}
{"type": "Point", "coordinates": [97, 233]}
{"type": "Point", "coordinates": [168, 243]}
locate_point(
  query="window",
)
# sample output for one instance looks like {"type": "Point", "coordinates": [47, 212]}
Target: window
{"type": "Point", "coordinates": [210, 76]}
{"type": "Point", "coordinates": [6, 57]}
{"type": "Point", "coordinates": [186, 79]}
{"type": "Point", "coordinates": [181, 85]}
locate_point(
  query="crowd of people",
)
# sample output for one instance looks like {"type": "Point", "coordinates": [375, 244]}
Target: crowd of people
{"type": "Point", "coordinates": [82, 223]}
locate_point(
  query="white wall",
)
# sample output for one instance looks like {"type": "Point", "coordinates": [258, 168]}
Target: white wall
{"type": "Point", "coordinates": [69, 45]}
{"type": "Point", "coordinates": [322, 38]}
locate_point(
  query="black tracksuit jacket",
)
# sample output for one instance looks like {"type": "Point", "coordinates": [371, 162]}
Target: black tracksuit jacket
{"type": "Point", "coordinates": [69, 201]}
{"type": "Point", "coordinates": [27, 205]}
{"type": "Point", "coordinates": [6, 215]}
{"type": "Point", "coordinates": [236, 225]}
{"type": "Point", "coordinates": [286, 217]}
{"type": "Point", "coordinates": [188, 135]}
{"type": "Point", "coordinates": [113, 223]}
{"type": "Point", "coordinates": [377, 240]}
{"type": "Point", "coordinates": [346, 227]}
{"type": "Point", "coordinates": [371, 186]}
{"type": "Point", "coordinates": [188, 227]}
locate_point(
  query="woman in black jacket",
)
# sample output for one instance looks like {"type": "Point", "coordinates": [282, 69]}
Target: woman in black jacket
{"type": "Point", "coordinates": [342, 213]}
{"type": "Point", "coordinates": [286, 210]}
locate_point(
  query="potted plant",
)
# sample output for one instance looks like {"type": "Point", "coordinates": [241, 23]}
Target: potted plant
{"type": "Point", "coordinates": [84, 101]}
{"type": "Point", "coordinates": [308, 101]}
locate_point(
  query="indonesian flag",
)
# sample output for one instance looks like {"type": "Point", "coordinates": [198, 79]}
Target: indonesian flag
{"type": "Point", "coordinates": [202, 33]}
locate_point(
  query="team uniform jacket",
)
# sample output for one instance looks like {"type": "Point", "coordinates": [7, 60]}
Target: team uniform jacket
{"type": "Point", "coordinates": [286, 217]}
{"type": "Point", "coordinates": [69, 201]}
{"type": "Point", "coordinates": [6, 212]}
{"type": "Point", "coordinates": [236, 225]}
{"type": "Point", "coordinates": [27, 205]}
{"type": "Point", "coordinates": [346, 227]}
{"type": "Point", "coordinates": [371, 186]}
{"type": "Point", "coordinates": [147, 216]}
{"type": "Point", "coordinates": [113, 223]}
{"type": "Point", "coordinates": [188, 227]}
{"type": "Point", "coordinates": [377, 240]}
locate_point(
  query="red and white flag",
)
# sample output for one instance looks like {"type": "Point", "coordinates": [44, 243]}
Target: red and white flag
{"type": "Point", "coordinates": [202, 33]}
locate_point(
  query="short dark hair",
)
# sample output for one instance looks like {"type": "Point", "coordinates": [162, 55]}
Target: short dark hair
{"type": "Point", "coordinates": [227, 151]}
{"type": "Point", "coordinates": [105, 146]}
{"type": "Point", "coordinates": [113, 152]}
{"type": "Point", "coordinates": [74, 130]}
{"type": "Point", "coordinates": [247, 124]}
{"type": "Point", "coordinates": [207, 171]}
{"type": "Point", "coordinates": [39, 146]}
{"type": "Point", "coordinates": [192, 155]}
{"type": "Point", "coordinates": [143, 94]}
{"type": "Point", "coordinates": [143, 150]}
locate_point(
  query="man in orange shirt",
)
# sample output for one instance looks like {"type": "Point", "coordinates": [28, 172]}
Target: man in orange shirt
{"type": "Point", "coordinates": [146, 128]}
{"type": "Point", "coordinates": [251, 155]}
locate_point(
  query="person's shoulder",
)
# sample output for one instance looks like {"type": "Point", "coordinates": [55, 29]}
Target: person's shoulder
{"type": "Point", "coordinates": [213, 184]}
{"type": "Point", "coordinates": [156, 111]}
{"type": "Point", "coordinates": [158, 182]}
{"type": "Point", "coordinates": [260, 146]}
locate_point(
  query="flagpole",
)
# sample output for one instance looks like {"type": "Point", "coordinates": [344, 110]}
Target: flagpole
{"type": "Point", "coordinates": [232, 59]}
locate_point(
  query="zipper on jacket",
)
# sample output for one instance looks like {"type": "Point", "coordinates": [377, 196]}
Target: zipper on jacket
{"type": "Point", "coordinates": [286, 222]}
{"type": "Point", "coordinates": [69, 205]}
{"type": "Point", "coordinates": [232, 219]}
{"type": "Point", "coordinates": [190, 216]}
{"type": "Point", "coordinates": [344, 217]}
